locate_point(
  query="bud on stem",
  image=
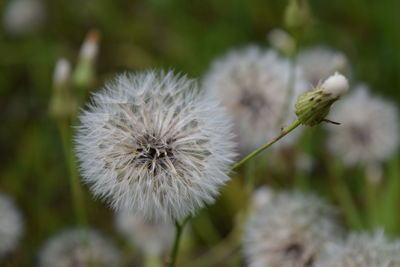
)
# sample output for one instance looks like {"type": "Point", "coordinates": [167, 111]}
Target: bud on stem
{"type": "Point", "coordinates": [62, 103]}
{"type": "Point", "coordinates": [312, 107]}
{"type": "Point", "coordinates": [85, 69]}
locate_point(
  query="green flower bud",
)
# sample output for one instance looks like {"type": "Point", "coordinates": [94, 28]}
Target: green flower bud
{"type": "Point", "coordinates": [85, 69]}
{"type": "Point", "coordinates": [62, 104]}
{"type": "Point", "coordinates": [282, 41]}
{"type": "Point", "coordinates": [312, 107]}
{"type": "Point", "coordinates": [297, 15]}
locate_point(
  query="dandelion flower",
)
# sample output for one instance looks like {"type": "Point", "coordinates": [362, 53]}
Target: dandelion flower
{"type": "Point", "coordinates": [253, 85]}
{"type": "Point", "coordinates": [362, 250]}
{"type": "Point", "coordinates": [78, 247]}
{"type": "Point", "coordinates": [369, 130]}
{"type": "Point", "coordinates": [319, 62]}
{"type": "Point", "coordinates": [289, 230]}
{"type": "Point", "coordinates": [153, 238]}
{"type": "Point", "coordinates": [23, 16]}
{"type": "Point", "coordinates": [153, 143]}
{"type": "Point", "coordinates": [11, 225]}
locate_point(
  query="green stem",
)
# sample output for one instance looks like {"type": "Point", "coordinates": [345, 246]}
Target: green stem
{"type": "Point", "coordinates": [267, 145]}
{"type": "Point", "coordinates": [344, 197]}
{"type": "Point", "coordinates": [178, 234]}
{"type": "Point", "coordinates": [391, 198]}
{"type": "Point", "coordinates": [289, 88]}
{"type": "Point", "coordinates": [223, 251]}
{"type": "Point", "coordinates": [76, 190]}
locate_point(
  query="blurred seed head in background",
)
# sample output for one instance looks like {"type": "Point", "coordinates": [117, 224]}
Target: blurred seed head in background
{"type": "Point", "coordinates": [153, 238]}
{"type": "Point", "coordinates": [319, 62]}
{"type": "Point", "coordinates": [22, 17]}
{"type": "Point", "coordinates": [369, 131]}
{"type": "Point", "coordinates": [362, 250]}
{"type": "Point", "coordinates": [253, 84]}
{"type": "Point", "coordinates": [79, 247]}
{"type": "Point", "coordinates": [288, 229]}
{"type": "Point", "coordinates": [11, 225]}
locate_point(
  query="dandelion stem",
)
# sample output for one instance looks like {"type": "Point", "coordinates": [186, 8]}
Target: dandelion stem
{"type": "Point", "coordinates": [291, 83]}
{"type": "Point", "coordinates": [267, 145]}
{"type": "Point", "coordinates": [76, 190]}
{"type": "Point", "coordinates": [178, 234]}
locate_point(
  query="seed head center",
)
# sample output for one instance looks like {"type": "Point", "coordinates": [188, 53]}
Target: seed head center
{"type": "Point", "coordinates": [152, 148]}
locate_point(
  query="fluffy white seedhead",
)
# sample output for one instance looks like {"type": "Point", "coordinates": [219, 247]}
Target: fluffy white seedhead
{"type": "Point", "coordinates": [253, 85]}
{"type": "Point", "coordinates": [153, 143]}
{"type": "Point", "coordinates": [23, 16]}
{"type": "Point", "coordinates": [362, 250]}
{"type": "Point", "coordinates": [153, 238]}
{"type": "Point", "coordinates": [11, 225]}
{"type": "Point", "coordinates": [335, 85]}
{"type": "Point", "coordinates": [369, 130]}
{"type": "Point", "coordinates": [289, 230]}
{"type": "Point", "coordinates": [78, 247]}
{"type": "Point", "coordinates": [319, 62]}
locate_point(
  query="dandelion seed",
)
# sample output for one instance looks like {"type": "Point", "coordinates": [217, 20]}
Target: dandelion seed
{"type": "Point", "coordinates": [318, 62]}
{"type": "Point", "coordinates": [78, 247]}
{"type": "Point", "coordinates": [289, 230]}
{"type": "Point", "coordinates": [23, 16]}
{"type": "Point", "coordinates": [362, 250]}
{"type": "Point", "coordinates": [369, 131]}
{"type": "Point", "coordinates": [153, 143]}
{"type": "Point", "coordinates": [11, 225]}
{"type": "Point", "coordinates": [253, 85]}
{"type": "Point", "coordinates": [153, 238]}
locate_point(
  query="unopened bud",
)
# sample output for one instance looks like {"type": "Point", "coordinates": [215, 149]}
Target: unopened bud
{"type": "Point", "coordinates": [312, 107]}
{"type": "Point", "coordinates": [90, 46]}
{"type": "Point", "coordinates": [297, 15]}
{"type": "Point", "coordinates": [84, 72]}
{"type": "Point", "coordinates": [62, 103]}
{"type": "Point", "coordinates": [282, 41]}
{"type": "Point", "coordinates": [62, 73]}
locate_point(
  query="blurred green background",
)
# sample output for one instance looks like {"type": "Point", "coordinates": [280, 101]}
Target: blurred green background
{"type": "Point", "coordinates": [136, 35]}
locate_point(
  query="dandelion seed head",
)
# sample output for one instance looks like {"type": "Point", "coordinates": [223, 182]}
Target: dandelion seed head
{"type": "Point", "coordinates": [319, 62]}
{"type": "Point", "coordinates": [153, 143]}
{"type": "Point", "coordinates": [253, 85]}
{"type": "Point", "coordinates": [154, 238]}
{"type": "Point", "coordinates": [78, 247]}
{"type": "Point", "coordinates": [11, 225]}
{"type": "Point", "coordinates": [23, 16]}
{"type": "Point", "coordinates": [369, 130]}
{"type": "Point", "coordinates": [289, 230]}
{"type": "Point", "coordinates": [362, 250]}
